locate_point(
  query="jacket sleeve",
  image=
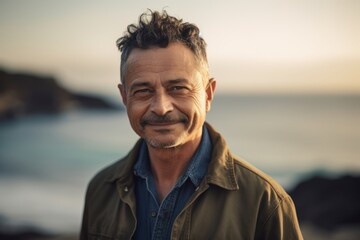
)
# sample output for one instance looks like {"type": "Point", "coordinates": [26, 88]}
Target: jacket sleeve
{"type": "Point", "coordinates": [282, 223]}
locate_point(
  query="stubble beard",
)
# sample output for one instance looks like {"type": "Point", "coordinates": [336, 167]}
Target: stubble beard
{"type": "Point", "coordinates": [165, 144]}
{"type": "Point", "coordinates": [160, 145]}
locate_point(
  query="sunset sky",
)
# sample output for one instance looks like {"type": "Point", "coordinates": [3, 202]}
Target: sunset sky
{"type": "Point", "coordinates": [307, 46]}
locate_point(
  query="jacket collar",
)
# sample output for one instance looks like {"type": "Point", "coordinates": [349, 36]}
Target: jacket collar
{"type": "Point", "coordinates": [221, 168]}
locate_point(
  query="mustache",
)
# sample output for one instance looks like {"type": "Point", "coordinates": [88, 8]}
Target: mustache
{"type": "Point", "coordinates": [156, 119]}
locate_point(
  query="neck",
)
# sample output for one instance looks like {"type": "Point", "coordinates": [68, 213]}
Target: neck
{"type": "Point", "coordinates": [168, 165]}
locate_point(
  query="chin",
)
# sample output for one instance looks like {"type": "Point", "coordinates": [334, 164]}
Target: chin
{"type": "Point", "coordinates": [160, 144]}
{"type": "Point", "coordinates": [157, 143]}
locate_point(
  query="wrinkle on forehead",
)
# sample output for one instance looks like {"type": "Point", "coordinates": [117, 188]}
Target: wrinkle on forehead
{"type": "Point", "coordinates": [157, 60]}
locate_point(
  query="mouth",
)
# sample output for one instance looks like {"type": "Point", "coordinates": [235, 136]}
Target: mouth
{"type": "Point", "coordinates": [162, 123]}
{"type": "Point", "coordinates": [163, 127]}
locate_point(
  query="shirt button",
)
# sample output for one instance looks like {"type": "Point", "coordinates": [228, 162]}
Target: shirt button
{"type": "Point", "coordinates": [153, 214]}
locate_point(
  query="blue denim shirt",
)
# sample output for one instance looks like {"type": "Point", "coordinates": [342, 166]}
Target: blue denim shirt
{"type": "Point", "coordinates": [155, 219]}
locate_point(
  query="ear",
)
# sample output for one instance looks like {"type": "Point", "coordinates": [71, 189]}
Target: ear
{"type": "Point", "coordinates": [122, 93]}
{"type": "Point", "coordinates": [210, 89]}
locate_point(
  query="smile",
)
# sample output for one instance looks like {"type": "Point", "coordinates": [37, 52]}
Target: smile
{"type": "Point", "coordinates": [162, 123]}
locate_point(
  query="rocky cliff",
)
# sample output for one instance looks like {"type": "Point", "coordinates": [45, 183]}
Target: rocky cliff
{"type": "Point", "coordinates": [328, 203]}
{"type": "Point", "coordinates": [23, 94]}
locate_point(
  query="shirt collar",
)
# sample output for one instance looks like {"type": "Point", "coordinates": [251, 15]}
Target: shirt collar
{"type": "Point", "coordinates": [142, 165]}
{"type": "Point", "coordinates": [196, 169]}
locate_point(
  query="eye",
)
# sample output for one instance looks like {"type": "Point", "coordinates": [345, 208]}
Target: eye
{"type": "Point", "coordinates": [142, 91]}
{"type": "Point", "coordinates": [178, 89]}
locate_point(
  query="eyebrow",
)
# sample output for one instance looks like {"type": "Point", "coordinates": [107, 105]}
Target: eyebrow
{"type": "Point", "coordinates": [146, 84]}
{"type": "Point", "coordinates": [176, 81]}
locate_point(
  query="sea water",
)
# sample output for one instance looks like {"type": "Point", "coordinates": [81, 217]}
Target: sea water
{"type": "Point", "coordinates": [46, 161]}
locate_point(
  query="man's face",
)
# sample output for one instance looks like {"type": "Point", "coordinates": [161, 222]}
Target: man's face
{"type": "Point", "coordinates": [166, 96]}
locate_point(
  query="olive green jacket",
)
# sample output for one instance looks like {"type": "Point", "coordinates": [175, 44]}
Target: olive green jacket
{"type": "Point", "coordinates": [234, 201]}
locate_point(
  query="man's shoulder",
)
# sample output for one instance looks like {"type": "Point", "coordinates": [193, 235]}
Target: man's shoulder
{"type": "Point", "coordinates": [250, 176]}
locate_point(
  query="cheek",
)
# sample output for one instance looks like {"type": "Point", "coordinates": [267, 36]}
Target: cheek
{"type": "Point", "coordinates": [135, 111]}
{"type": "Point", "coordinates": [193, 106]}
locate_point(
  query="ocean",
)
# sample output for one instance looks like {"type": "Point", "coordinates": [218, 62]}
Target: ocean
{"type": "Point", "coordinates": [46, 161]}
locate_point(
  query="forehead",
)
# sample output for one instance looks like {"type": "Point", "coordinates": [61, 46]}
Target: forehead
{"type": "Point", "coordinates": [176, 59]}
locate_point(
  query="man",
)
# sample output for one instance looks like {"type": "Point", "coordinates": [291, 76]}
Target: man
{"type": "Point", "coordinates": [179, 181]}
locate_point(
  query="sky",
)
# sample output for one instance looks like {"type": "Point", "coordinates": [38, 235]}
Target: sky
{"type": "Point", "coordinates": [254, 47]}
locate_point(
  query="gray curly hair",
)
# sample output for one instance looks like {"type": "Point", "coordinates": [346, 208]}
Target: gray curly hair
{"type": "Point", "coordinates": [160, 29]}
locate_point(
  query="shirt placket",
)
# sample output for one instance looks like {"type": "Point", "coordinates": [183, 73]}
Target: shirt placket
{"type": "Point", "coordinates": [153, 203]}
{"type": "Point", "coordinates": [164, 218]}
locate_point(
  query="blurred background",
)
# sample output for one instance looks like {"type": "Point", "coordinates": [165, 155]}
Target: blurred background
{"type": "Point", "coordinates": [287, 101]}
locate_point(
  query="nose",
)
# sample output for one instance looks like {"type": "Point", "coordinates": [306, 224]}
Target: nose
{"type": "Point", "coordinates": [161, 104]}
